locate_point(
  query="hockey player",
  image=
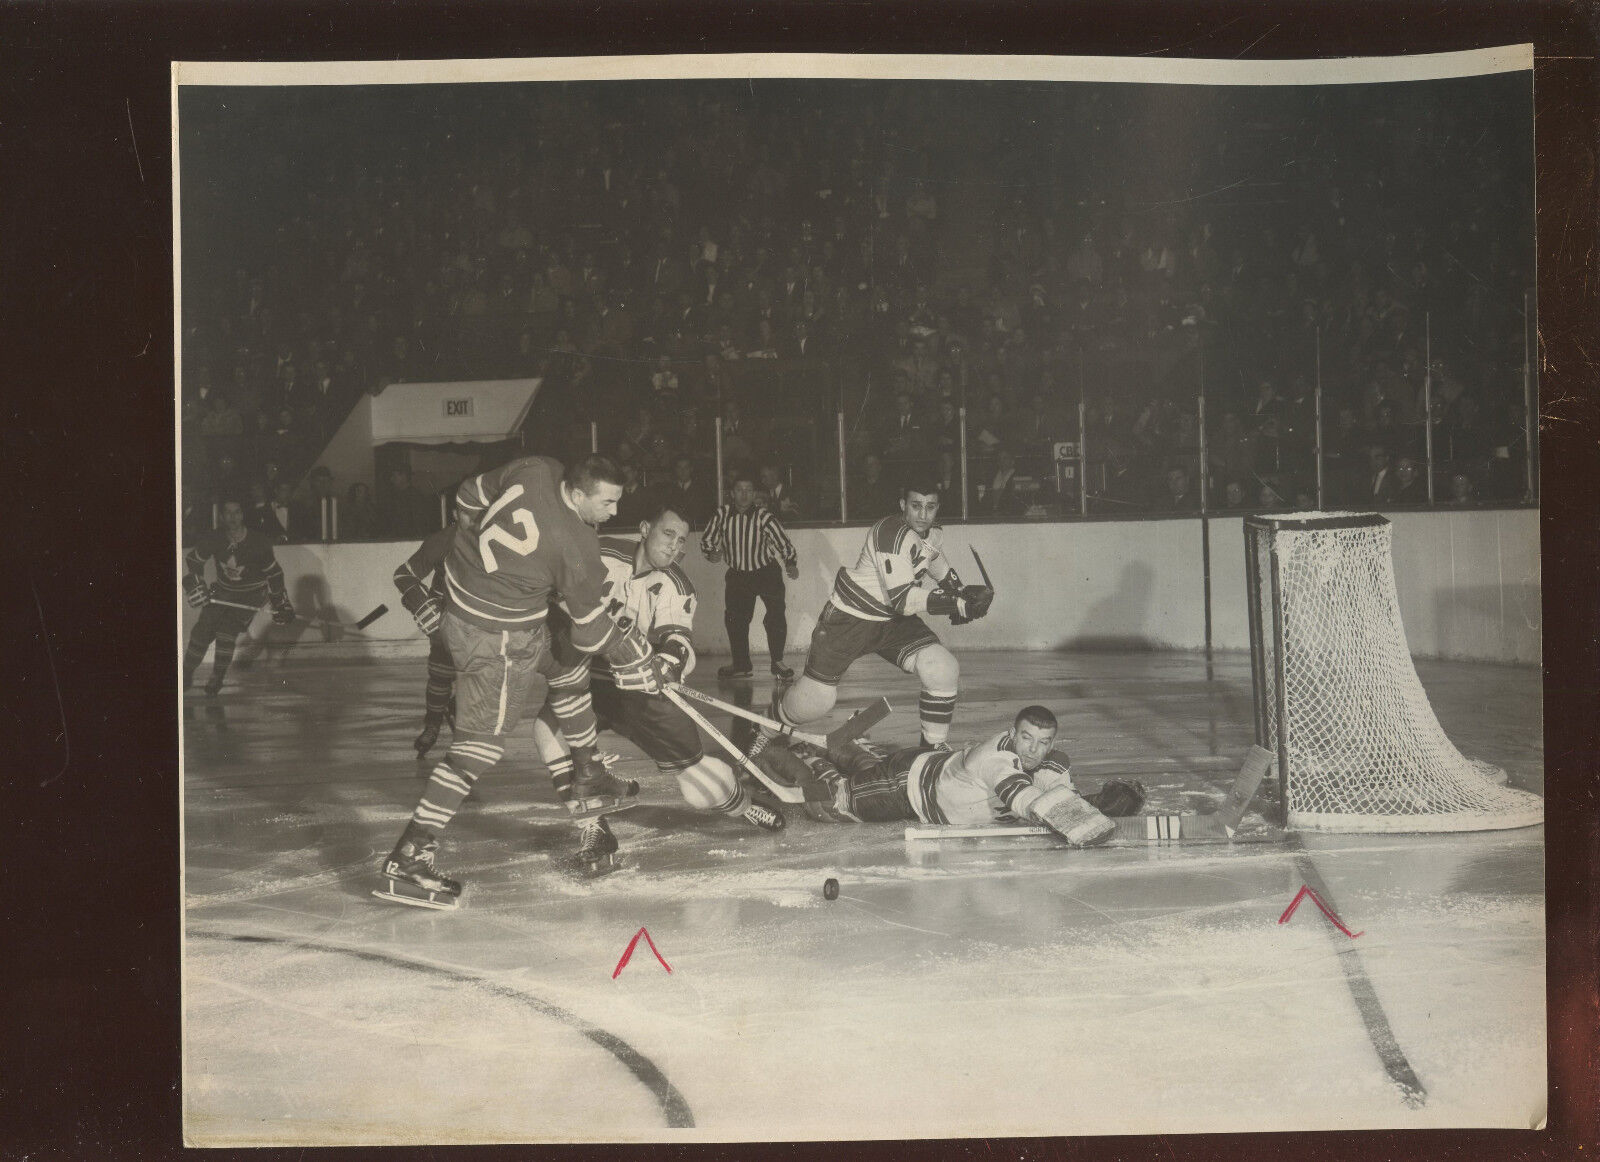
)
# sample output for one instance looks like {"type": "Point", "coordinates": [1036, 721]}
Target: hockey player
{"type": "Point", "coordinates": [646, 591]}
{"type": "Point", "coordinates": [1016, 774]}
{"type": "Point", "coordinates": [420, 579]}
{"type": "Point", "coordinates": [528, 532]}
{"type": "Point", "coordinates": [247, 576]}
{"type": "Point", "coordinates": [874, 609]}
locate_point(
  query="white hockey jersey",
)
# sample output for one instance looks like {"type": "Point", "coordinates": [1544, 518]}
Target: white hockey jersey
{"type": "Point", "coordinates": [982, 783]}
{"type": "Point", "coordinates": [888, 577]}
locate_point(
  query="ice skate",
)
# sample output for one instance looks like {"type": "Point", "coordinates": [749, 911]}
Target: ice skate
{"type": "Point", "coordinates": [764, 817]}
{"type": "Point", "coordinates": [596, 791]}
{"type": "Point", "coordinates": [411, 877]}
{"type": "Point", "coordinates": [597, 851]}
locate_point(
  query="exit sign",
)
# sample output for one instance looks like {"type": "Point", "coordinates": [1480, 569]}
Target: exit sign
{"type": "Point", "coordinates": [457, 408]}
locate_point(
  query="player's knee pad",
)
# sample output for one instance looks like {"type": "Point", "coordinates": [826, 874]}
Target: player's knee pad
{"type": "Point", "coordinates": [806, 701]}
{"type": "Point", "coordinates": [937, 669]}
{"type": "Point", "coordinates": [708, 784]}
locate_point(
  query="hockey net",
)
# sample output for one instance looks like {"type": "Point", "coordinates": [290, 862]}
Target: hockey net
{"type": "Point", "coordinates": [1337, 696]}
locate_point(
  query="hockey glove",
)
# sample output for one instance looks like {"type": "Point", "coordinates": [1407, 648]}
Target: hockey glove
{"type": "Point", "coordinates": [633, 663]}
{"type": "Point", "coordinates": [429, 615]}
{"type": "Point", "coordinates": [977, 599]}
{"type": "Point", "coordinates": [282, 610]}
{"type": "Point", "coordinates": [671, 661]}
{"type": "Point", "coordinates": [195, 591]}
{"type": "Point", "coordinates": [1118, 798]}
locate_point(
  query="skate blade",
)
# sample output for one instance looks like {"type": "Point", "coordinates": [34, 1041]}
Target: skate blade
{"type": "Point", "coordinates": [592, 808]}
{"type": "Point", "coordinates": [435, 900]}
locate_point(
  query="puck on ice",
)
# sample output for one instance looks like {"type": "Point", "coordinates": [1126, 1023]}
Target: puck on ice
{"type": "Point", "coordinates": [830, 889]}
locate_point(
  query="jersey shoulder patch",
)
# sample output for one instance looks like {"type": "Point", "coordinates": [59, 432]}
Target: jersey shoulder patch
{"type": "Point", "coordinates": [890, 535]}
{"type": "Point", "coordinates": [681, 579]}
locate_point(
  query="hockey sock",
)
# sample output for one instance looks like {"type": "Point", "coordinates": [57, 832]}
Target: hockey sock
{"type": "Point", "coordinates": [451, 782]}
{"type": "Point", "coordinates": [709, 784]}
{"type": "Point", "coordinates": [222, 659]}
{"type": "Point", "coordinates": [572, 707]}
{"type": "Point", "coordinates": [553, 752]}
{"type": "Point", "coordinates": [936, 711]}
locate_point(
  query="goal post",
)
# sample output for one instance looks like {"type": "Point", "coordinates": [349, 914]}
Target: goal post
{"type": "Point", "coordinates": [1337, 699]}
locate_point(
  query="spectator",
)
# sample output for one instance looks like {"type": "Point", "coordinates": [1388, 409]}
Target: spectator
{"type": "Point", "coordinates": [406, 513]}
{"type": "Point", "coordinates": [998, 496]}
{"type": "Point", "coordinates": [1233, 496]}
{"type": "Point", "coordinates": [873, 494]}
{"type": "Point", "coordinates": [1410, 487]}
{"type": "Point", "coordinates": [777, 495]}
{"type": "Point", "coordinates": [903, 436]}
{"type": "Point", "coordinates": [1179, 498]}
{"type": "Point", "coordinates": [1380, 479]}
{"type": "Point", "coordinates": [275, 517]}
{"type": "Point", "coordinates": [664, 383]}
{"type": "Point", "coordinates": [636, 502]}
{"type": "Point", "coordinates": [949, 482]}
{"type": "Point", "coordinates": [689, 496]}
{"type": "Point", "coordinates": [1462, 491]}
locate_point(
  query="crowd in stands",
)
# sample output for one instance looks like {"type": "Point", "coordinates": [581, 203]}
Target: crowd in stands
{"type": "Point", "coordinates": [1054, 268]}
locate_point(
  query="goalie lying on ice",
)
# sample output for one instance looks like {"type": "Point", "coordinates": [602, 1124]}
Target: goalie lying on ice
{"type": "Point", "coordinates": [1013, 775]}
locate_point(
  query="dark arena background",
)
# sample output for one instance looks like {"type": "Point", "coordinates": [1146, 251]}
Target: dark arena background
{"type": "Point", "coordinates": [1105, 321]}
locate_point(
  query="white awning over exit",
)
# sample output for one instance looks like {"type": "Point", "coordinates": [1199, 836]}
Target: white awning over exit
{"type": "Point", "coordinates": [478, 411]}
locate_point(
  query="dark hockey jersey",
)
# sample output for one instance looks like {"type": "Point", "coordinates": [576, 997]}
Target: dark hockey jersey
{"type": "Point", "coordinates": [247, 571]}
{"type": "Point", "coordinates": [522, 544]}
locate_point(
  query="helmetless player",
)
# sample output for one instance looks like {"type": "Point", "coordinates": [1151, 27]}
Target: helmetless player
{"type": "Point", "coordinates": [528, 533]}
{"type": "Point", "coordinates": [247, 576]}
{"type": "Point", "coordinates": [645, 591]}
{"type": "Point", "coordinates": [874, 609]}
{"type": "Point", "coordinates": [1017, 774]}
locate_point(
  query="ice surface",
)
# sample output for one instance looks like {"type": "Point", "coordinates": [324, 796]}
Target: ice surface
{"type": "Point", "coordinates": [955, 988]}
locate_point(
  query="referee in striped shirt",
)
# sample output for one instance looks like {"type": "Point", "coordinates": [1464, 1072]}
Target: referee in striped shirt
{"type": "Point", "coordinates": [754, 543]}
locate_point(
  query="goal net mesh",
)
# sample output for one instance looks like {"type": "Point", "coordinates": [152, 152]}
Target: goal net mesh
{"type": "Point", "coordinates": [1364, 750]}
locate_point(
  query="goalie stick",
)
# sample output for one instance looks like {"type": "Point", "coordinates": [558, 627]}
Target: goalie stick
{"type": "Point", "coordinates": [787, 794]}
{"type": "Point", "coordinates": [854, 727]}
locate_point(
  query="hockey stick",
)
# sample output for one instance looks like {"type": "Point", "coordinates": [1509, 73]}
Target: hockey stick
{"type": "Point", "coordinates": [982, 572]}
{"type": "Point", "coordinates": [854, 727]}
{"type": "Point", "coordinates": [1130, 829]}
{"type": "Point", "coordinates": [325, 622]}
{"type": "Point", "coordinates": [787, 794]}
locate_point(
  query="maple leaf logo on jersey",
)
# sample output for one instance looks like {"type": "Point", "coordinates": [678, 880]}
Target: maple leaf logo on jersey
{"type": "Point", "coordinates": [230, 569]}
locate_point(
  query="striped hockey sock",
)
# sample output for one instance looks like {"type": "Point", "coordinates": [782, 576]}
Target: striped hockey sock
{"type": "Point", "coordinates": [936, 711]}
{"type": "Point", "coordinates": [452, 780]}
{"type": "Point", "coordinates": [553, 752]}
{"type": "Point", "coordinates": [572, 707]}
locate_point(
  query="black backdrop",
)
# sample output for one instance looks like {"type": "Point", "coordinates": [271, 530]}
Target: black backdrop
{"type": "Point", "coordinates": [90, 1057]}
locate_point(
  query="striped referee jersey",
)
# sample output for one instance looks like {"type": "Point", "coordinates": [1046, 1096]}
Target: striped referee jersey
{"type": "Point", "coordinates": [751, 539]}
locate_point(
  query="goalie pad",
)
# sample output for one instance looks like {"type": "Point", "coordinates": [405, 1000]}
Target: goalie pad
{"type": "Point", "coordinates": [1073, 817]}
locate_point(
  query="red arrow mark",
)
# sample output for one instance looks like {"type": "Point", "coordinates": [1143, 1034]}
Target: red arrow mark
{"type": "Point", "coordinates": [634, 943]}
{"type": "Point", "coordinates": [1305, 890]}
